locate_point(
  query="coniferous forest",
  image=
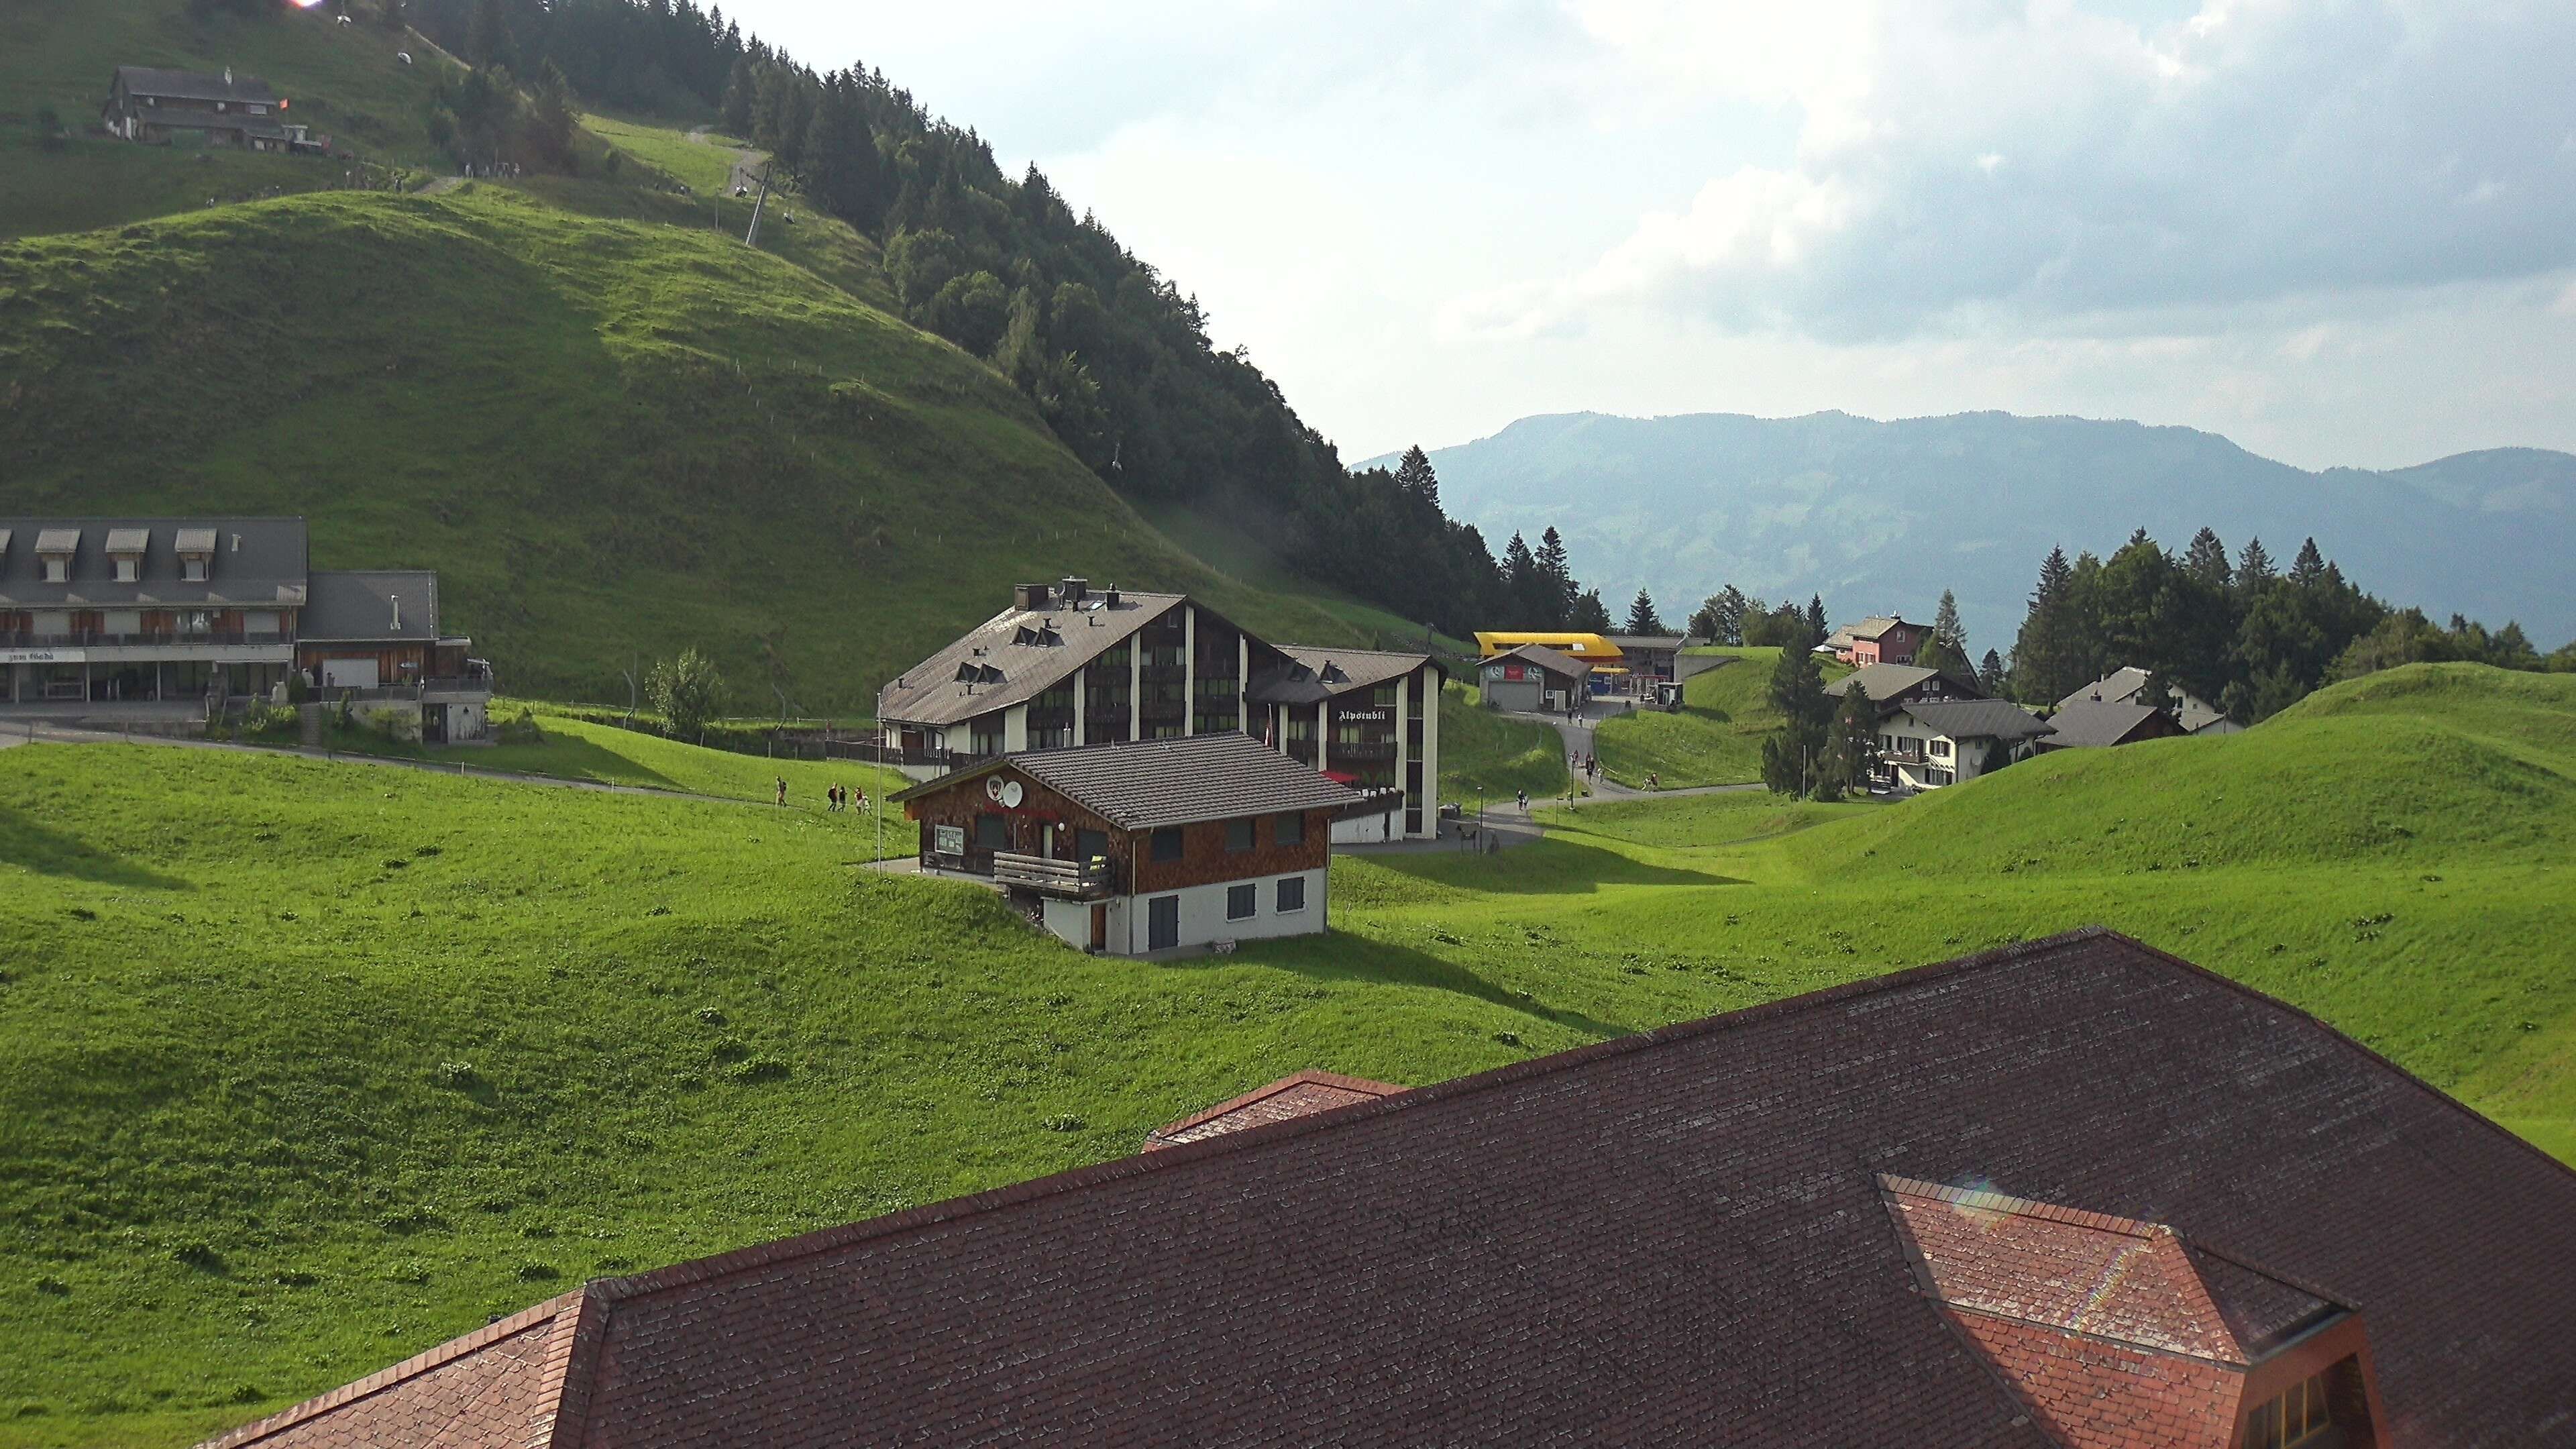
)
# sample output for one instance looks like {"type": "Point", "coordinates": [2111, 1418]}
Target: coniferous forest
{"type": "Point", "coordinates": [1115, 356]}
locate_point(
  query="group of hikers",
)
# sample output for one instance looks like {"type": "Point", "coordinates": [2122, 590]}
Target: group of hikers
{"type": "Point", "coordinates": [835, 799]}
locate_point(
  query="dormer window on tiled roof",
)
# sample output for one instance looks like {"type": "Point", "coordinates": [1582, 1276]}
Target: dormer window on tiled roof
{"type": "Point", "coordinates": [196, 550]}
{"type": "Point", "coordinates": [2120, 1335]}
{"type": "Point", "coordinates": [54, 550]}
{"type": "Point", "coordinates": [125, 548]}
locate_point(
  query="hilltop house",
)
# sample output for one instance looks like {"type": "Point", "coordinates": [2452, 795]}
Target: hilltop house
{"type": "Point", "coordinates": [1143, 845]}
{"type": "Point", "coordinates": [2097, 724]}
{"type": "Point", "coordinates": [1890, 684]}
{"type": "Point", "coordinates": [2196, 716]}
{"type": "Point", "coordinates": [102, 615]}
{"type": "Point", "coordinates": [1532, 679]}
{"type": "Point", "coordinates": [1926, 744]}
{"type": "Point", "coordinates": [2072, 1194]}
{"type": "Point", "coordinates": [148, 104]}
{"type": "Point", "coordinates": [1068, 665]}
{"type": "Point", "coordinates": [1888, 640]}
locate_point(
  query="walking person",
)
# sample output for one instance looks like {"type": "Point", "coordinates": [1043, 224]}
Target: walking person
{"type": "Point", "coordinates": [782, 789]}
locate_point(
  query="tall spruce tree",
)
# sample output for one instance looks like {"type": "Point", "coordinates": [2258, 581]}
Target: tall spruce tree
{"type": "Point", "coordinates": [1851, 752]}
{"type": "Point", "coordinates": [1413, 474]}
{"type": "Point", "coordinates": [1990, 675]}
{"type": "Point", "coordinates": [1588, 615]}
{"type": "Point", "coordinates": [842, 169]}
{"type": "Point", "coordinates": [1720, 619]}
{"type": "Point", "coordinates": [2047, 655]}
{"type": "Point", "coordinates": [1531, 591]}
{"type": "Point", "coordinates": [2254, 567]}
{"type": "Point", "coordinates": [1642, 618]}
{"type": "Point", "coordinates": [2309, 567]}
{"type": "Point", "coordinates": [1560, 577]}
{"type": "Point", "coordinates": [2206, 561]}
{"type": "Point", "coordinates": [1817, 625]}
{"type": "Point", "coordinates": [1946, 626]}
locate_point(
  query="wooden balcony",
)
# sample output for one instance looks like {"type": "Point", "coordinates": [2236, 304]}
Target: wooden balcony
{"type": "Point", "coordinates": [1089, 880]}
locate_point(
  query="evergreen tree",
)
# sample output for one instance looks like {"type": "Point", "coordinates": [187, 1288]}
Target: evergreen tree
{"type": "Point", "coordinates": [1998, 754]}
{"type": "Point", "coordinates": [1990, 675]}
{"type": "Point", "coordinates": [1552, 564]}
{"type": "Point", "coordinates": [1720, 619]}
{"type": "Point", "coordinates": [1797, 692]}
{"type": "Point", "coordinates": [741, 94]}
{"type": "Point", "coordinates": [841, 165]}
{"type": "Point", "coordinates": [1642, 618]}
{"type": "Point", "coordinates": [1948, 631]}
{"type": "Point", "coordinates": [1588, 615]}
{"type": "Point", "coordinates": [1527, 585]}
{"type": "Point", "coordinates": [488, 43]}
{"type": "Point", "coordinates": [1413, 474]}
{"type": "Point", "coordinates": [2206, 561]}
{"type": "Point", "coordinates": [2253, 567]}
{"type": "Point", "coordinates": [2046, 655]}
{"type": "Point", "coordinates": [1851, 755]}
{"type": "Point", "coordinates": [1817, 627]}
{"type": "Point", "coordinates": [2309, 567]}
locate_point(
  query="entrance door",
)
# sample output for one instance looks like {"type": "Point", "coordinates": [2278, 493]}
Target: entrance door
{"type": "Point", "coordinates": [1162, 923]}
{"type": "Point", "coordinates": [1100, 927]}
{"type": "Point", "coordinates": [433, 724]}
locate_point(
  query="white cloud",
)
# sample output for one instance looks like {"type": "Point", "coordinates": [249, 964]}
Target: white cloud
{"type": "Point", "coordinates": [2261, 149]}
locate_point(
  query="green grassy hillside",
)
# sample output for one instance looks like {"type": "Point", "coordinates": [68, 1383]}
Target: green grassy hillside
{"type": "Point", "coordinates": [343, 80]}
{"type": "Point", "coordinates": [337, 1061]}
{"type": "Point", "coordinates": [611, 438]}
{"type": "Point", "coordinates": [1715, 738]}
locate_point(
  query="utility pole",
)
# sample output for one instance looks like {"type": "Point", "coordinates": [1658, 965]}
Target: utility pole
{"type": "Point", "coordinates": [752, 237]}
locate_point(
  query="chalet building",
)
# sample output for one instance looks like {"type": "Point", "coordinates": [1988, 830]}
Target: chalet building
{"type": "Point", "coordinates": [1926, 744]}
{"type": "Point", "coordinates": [2127, 685]}
{"type": "Point", "coordinates": [1143, 845]}
{"type": "Point", "coordinates": [2073, 1194]}
{"type": "Point", "coordinates": [151, 105]}
{"type": "Point", "coordinates": [1887, 640]}
{"type": "Point", "coordinates": [1070, 665]}
{"type": "Point", "coordinates": [1533, 679]}
{"type": "Point", "coordinates": [2092, 724]}
{"type": "Point", "coordinates": [1367, 718]}
{"type": "Point", "coordinates": [1893, 684]}
{"type": "Point", "coordinates": [203, 612]}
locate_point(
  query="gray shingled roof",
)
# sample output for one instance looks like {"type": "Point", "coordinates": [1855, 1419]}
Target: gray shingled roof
{"type": "Point", "coordinates": [266, 570]}
{"type": "Point", "coordinates": [358, 607]}
{"type": "Point", "coordinates": [1317, 672]}
{"type": "Point", "coordinates": [1147, 784]}
{"type": "Point", "coordinates": [2092, 723]}
{"type": "Point", "coordinates": [2121, 686]}
{"type": "Point", "coordinates": [1886, 681]}
{"type": "Point", "coordinates": [1973, 719]}
{"type": "Point", "coordinates": [930, 693]}
{"type": "Point", "coordinates": [196, 85]}
{"type": "Point", "coordinates": [1551, 660]}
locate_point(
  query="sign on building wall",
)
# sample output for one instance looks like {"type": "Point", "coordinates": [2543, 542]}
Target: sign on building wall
{"type": "Point", "coordinates": [948, 839]}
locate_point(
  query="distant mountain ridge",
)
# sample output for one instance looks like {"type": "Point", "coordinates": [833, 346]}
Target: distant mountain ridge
{"type": "Point", "coordinates": [1882, 516]}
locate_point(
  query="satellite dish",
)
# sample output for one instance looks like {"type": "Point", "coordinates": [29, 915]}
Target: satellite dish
{"type": "Point", "coordinates": [993, 787]}
{"type": "Point", "coordinates": [1011, 795]}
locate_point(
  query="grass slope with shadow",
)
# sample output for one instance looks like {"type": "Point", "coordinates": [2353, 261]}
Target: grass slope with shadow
{"type": "Point", "coordinates": [332, 1062]}
{"type": "Point", "coordinates": [1715, 738]}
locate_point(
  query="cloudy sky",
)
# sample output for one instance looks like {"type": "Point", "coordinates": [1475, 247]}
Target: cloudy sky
{"type": "Point", "coordinates": [2339, 231]}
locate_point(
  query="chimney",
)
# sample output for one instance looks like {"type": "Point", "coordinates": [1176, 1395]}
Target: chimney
{"type": "Point", "coordinates": [228, 75]}
{"type": "Point", "coordinates": [1029, 596]}
{"type": "Point", "coordinates": [397, 598]}
{"type": "Point", "coordinates": [1074, 589]}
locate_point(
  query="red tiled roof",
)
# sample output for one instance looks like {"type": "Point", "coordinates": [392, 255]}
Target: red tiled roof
{"type": "Point", "coordinates": [495, 1388]}
{"type": "Point", "coordinates": [1302, 1095]}
{"type": "Point", "coordinates": [2106, 1326]}
{"type": "Point", "coordinates": [1664, 1238]}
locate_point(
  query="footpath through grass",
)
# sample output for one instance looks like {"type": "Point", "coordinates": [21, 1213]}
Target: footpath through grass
{"type": "Point", "coordinates": [314, 1065]}
{"type": "Point", "coordinates": [1715, 738]}
{"type": "Point", "coordinates": [1485, 757]}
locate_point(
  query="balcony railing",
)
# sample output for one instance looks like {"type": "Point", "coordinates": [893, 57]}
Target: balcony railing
{"type": "Point", "coordinates": [101, 639]}
{"type": "Point", "coordinates": [1089, 880]}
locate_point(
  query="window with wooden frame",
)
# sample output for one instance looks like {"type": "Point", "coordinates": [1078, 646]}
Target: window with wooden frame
{"type": "Point", "coordinates": [1288, 830]}
{"type": "Point", "coordinates": [1166, 843]}
{"type": "Point", "coordinates": [1292, 894]}
{"type": "Point", "coordinates": [1242, 902]}
{"type": "Point", "coordinates": [1239, 836]}
{"type": "Point", "coordinates": [2299, 1415]}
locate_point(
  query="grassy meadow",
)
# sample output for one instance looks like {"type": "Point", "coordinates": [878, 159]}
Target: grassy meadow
{"type": "Point", "coordinates": [1715, 738]}
{"type": "Point", "coordinates": [1486, 757]}
{"type": "Point", "coordinates": [612, 439]}
{"type": "Point", "coordinates": [314, 1064]}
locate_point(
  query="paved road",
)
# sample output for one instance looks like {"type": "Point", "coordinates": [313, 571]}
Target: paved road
{"type": "Point", "coordinates": [1577, 733]}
